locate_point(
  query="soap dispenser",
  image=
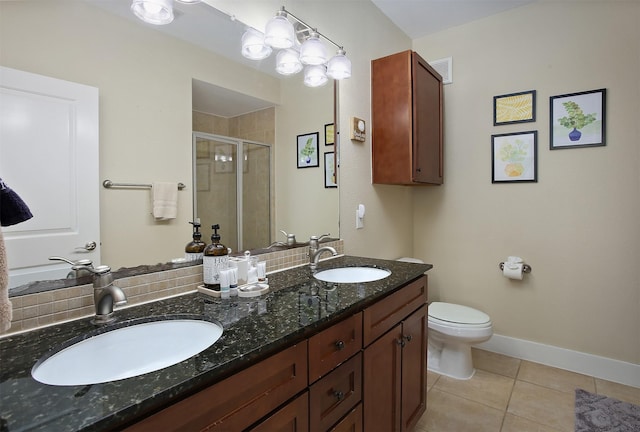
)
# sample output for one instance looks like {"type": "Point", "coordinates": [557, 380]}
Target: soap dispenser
{"type": "Point", "coordinates": [194, 250]}
{"type": "Point", "coordinates": [215, 258]}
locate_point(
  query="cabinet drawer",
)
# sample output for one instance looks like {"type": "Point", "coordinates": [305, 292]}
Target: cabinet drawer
{"type": "Point", "coordinates": [334, 345]}
{"type": "Point", "coordinates": [389, 311]}
{"type": "Point", "coordinates": [334, 395]}
{"type": "Point", "coordinates": [352, 422]}
{"type": "Point", "coordinates": [238, 401]}
{"type": "Point", "coordinates": [293, 417]}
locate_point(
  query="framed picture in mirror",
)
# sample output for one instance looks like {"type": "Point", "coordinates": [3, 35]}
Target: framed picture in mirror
{"type": "Point", "coordinates": [329, 134]}
{"type": "Point", "coordinates": [307, 150]}
{"type": "Point", "coordinates": [330, 178]}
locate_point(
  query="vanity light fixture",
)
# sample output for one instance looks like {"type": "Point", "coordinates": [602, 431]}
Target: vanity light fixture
{"type": "Point", "coordinates": [279, 32]}
{"type": "Point", "coordinates": [300, 45]}
{"type": "Point", "coordinates": [158, 12]}
{"type": "Point", "coordinates": [288, 62]}
{"type": "Point", "coordinates": [315, 75]}
{"type": "Point", "coordinates": [312, 51]}
{"type": "Point", "coordinates": [253, 46]}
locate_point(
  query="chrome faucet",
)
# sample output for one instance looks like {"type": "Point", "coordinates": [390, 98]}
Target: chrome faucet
{"type": "Point", "coordinates": [105, 294]}
{"type": "Point", "coordinates": [315, 251]}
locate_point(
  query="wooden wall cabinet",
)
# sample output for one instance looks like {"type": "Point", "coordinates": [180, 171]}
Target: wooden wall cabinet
{"type": "Point", "coordinates": [407, 121]}
{"type": "Point", "coordinates": [394, 364]}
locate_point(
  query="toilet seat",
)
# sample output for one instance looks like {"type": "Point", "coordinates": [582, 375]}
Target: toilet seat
{"type": "Point", "coordinates": [454, 315]}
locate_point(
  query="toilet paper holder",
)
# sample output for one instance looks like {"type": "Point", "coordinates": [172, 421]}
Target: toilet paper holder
{"type": "Point", "coordinates": [526, 268]}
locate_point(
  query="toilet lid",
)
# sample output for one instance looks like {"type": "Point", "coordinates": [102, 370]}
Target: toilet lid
{"type": "Point", "coordinates": [457, 313]}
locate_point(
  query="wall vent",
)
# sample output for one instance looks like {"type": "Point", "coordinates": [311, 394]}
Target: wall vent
{"type": "Point", "coordinates": [444, 68]}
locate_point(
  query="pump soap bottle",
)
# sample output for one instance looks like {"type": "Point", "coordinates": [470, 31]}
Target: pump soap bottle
{"type": "Point", "coordinates": [216, 258]}
{"type": "Point", "coordinates": [193, 251]}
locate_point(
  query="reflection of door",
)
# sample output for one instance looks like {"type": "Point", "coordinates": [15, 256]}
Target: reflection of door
{"type": "Point", "coordinates": [232, 179]}
{"type": "Point", "coordinates": [49, 156]}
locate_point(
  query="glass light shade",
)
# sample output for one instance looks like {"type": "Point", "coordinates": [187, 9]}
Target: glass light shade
{"type": "Point", "coordinates": [253, 46]}
{"type": "Point", "coordinates": [313, 51]}
{"type": "Point", "coordinates": [158, 12]}
{"type": "Point", "coordinates": [315, 76]}
{"type": "Point", "coordinates": [189, 1]}
{"type": "Point", "coordinates": [279, 32]}
{"type": "Point", "coordinates": [339, 66]}
{"type": "Point", "coordinates": [288, 62]}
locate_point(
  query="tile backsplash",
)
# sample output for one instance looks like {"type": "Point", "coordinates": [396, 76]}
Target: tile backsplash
{"type": "Point", "coordinates": [46, 308]}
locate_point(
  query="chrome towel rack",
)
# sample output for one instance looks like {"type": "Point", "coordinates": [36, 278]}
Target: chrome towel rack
{"type": "Point", "coordinates": [109, 184]}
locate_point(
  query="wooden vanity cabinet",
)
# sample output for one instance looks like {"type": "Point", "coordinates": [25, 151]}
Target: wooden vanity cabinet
{"type": "Point", "coordinates": [394, 360]}
{"type": "Point", "coordinates": [366, 372]}
{"type": "Point", "coordinates": [407, 121]}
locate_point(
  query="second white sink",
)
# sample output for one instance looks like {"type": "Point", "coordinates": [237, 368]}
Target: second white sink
{"type": "Point", "coordinates": [352, 274]}
{"type": "Point", "coordinates": [127, 352]}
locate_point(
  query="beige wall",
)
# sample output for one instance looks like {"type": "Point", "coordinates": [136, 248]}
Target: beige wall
{"type": "Point", "coordinates": [578, 227]}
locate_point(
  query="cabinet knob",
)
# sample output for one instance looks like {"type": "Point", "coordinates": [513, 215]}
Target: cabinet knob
{"type": "Point", "coordinates": [401, 342]}
{"type": "Point", "coordinates": [339, 345]}
{"type": "Point", "coordinates": [408, 338]}
{"type": "Point", "coordinates": [338, 394]}
{"type": "Point", "coordinates": [418, 170]}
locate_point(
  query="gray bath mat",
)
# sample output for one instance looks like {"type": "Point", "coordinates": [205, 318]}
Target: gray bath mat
{"type": "Point", "coordinates": [597, 413]}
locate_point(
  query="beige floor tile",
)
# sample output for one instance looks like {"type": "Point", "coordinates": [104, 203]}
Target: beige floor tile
{"type": "Point", "coordinates": [450, 413]}
{"type": "Point", "coordinates": [432, 378]}
{"type": "Point", "coordinates": [496, 363]}
{"type": "Point", "coordinates": [618, 391]}
{"type": "Point", "coordinates": [547, 406]}
{"type": "Point", "coordinates": [554, 378]}
{"type": "Point", "coordinates": [514, 423]}
{"type": "Point", "coordinates": [484, 387]}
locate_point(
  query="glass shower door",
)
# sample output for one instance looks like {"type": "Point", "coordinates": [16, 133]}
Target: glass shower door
{"type": "Point", "coordinates": [232, 183]}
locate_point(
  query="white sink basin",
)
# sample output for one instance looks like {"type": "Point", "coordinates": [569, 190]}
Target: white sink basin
{"type": "Point", "coordinates": [352, 274]}
{"type": "Point", "coordinates": [127, 352]}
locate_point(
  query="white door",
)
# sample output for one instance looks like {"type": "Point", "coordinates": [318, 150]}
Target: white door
{"type": "Point", "coordinates": [49, 156]}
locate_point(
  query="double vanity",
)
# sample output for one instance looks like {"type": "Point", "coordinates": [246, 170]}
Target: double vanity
{"type": "Point", "coordinates": [309, 355]}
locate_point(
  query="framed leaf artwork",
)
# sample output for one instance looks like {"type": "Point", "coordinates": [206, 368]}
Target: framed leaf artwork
{"type": "Point", "coordinates": [514, 108]}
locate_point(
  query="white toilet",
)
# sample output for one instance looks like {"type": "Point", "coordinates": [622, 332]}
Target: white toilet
{"type": "Point", "coordinates": [453, 329]}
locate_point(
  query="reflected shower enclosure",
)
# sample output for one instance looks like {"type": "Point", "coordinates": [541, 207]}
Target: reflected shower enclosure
{"type": "Point", "coordinates": [231, 188]}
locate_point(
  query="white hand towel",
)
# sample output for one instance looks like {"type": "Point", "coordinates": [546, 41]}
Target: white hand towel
{"type": "Point", "coordinates": [165, 200]}
{"type": "Point", "coordinates": [6, 310]}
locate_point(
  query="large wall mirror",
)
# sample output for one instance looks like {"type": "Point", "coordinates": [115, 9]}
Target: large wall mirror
{"type": "Point", "coordinates": [298, 200]}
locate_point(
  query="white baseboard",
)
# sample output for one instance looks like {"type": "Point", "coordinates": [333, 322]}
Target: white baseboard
{"type": "Point", "coordinates": [575, 361]}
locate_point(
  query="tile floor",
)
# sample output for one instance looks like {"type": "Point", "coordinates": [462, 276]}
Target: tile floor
{"type": "Point", "coordinates": [510, 395]}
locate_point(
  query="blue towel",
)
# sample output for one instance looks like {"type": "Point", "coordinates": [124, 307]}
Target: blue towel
{"type": "Point", "coordinates": [12, 209]}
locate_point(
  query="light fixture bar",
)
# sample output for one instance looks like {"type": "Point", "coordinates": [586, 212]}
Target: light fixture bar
{"type": "Point", "coordinates": [311, 28]}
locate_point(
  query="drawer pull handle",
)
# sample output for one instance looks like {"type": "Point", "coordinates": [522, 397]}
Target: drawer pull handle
{"type": "Point", "coordinates": [339, 345]}
{"type": "Point", "coordinates": [338, 394]}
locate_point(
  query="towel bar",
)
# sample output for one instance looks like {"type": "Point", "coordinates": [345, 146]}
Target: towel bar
{"type": "Point", "coordinates": [109, 184]}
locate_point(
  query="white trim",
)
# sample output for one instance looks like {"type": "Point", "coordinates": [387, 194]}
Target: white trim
{"type": "Point", "coordinates": [574, 361]}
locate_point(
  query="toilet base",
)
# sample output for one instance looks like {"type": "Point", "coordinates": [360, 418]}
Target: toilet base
{"type": "Point", "coordinates": [450, 359]}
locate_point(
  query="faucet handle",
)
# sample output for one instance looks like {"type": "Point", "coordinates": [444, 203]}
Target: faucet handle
{"type": "Point", "coordinates": [81, 262]}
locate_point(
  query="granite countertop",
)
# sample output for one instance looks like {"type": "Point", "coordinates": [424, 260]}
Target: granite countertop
{"type": "Point", "coordinates": [254, 328]}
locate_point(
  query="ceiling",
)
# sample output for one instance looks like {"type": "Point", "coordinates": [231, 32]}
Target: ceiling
{"type": "Point", "coordinates": [205, 26]}
{"type": "Point", "coordinates": [418, 18]}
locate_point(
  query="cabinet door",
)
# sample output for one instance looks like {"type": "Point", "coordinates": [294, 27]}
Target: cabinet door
{"type": "Point", "coordinates": [414, 365]}
{"type": "Point", "coordinates": [391, 119]}
{"type": "Point", "coordinates": [427, 123]}
{"type": "Point", "coordinates": [293, 417]}
{"type": "Point", "coordinates": [382, 382]}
